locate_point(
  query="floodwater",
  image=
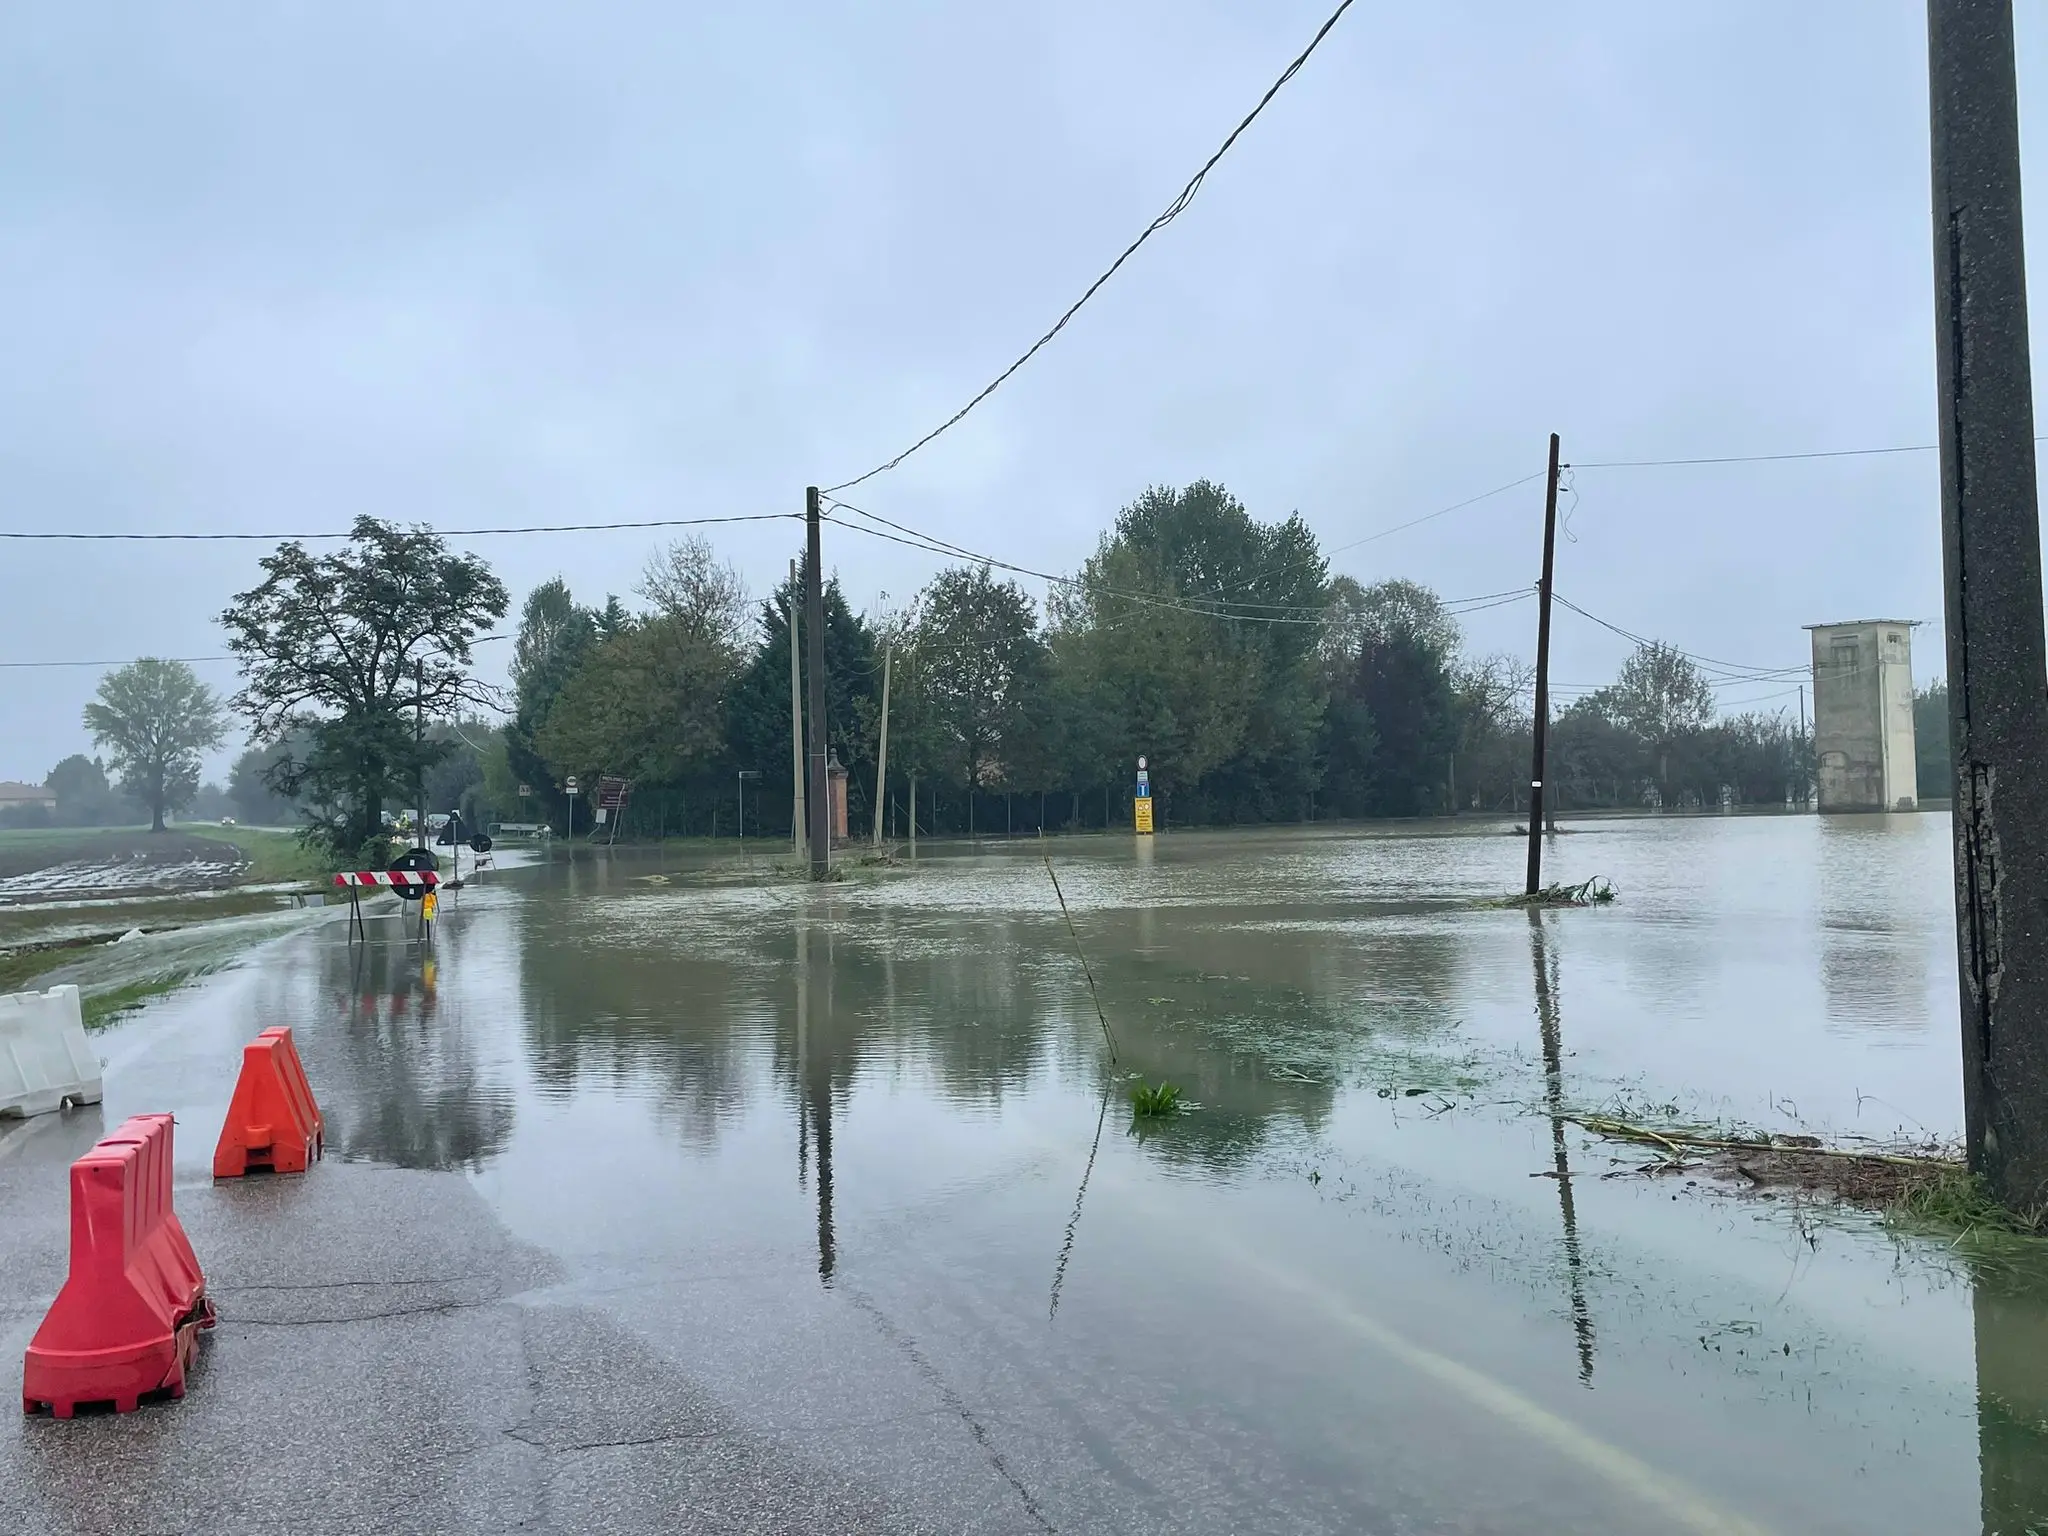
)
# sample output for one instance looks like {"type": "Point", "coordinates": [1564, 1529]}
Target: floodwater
{"type": "Point", "coordinates": [858, 1154]}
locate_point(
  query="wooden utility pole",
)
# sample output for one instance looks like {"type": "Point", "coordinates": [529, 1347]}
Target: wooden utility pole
{"type": "Point", "coordinates": [882, 756]}
{"type": "Point", "coordinates": [1542, 716]}
{"type": "Point", "coordinates": [1991, 574]}
{"type": "Point", "coordinates": [816, 791]}
{"type": "Point", "coordinates": [796, 724]}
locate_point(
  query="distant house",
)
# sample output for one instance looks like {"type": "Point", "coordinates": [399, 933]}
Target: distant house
{"type": "Point", "coordinates": [12, 794]}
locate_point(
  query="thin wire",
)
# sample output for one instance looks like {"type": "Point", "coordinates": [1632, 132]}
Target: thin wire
{"type": "Point", "coordinates": [1745, 673]}
{"type": "Point", "coordinates": [1173, 211]}
{"type": "Point", "coordinates": [1757, 458]}
{"type": "Point", "coordinates": [1430, 517]}
{"type": "Point", "coordinates": [448, 533]}
{"type": "Point", "coordinates": [187, 660]}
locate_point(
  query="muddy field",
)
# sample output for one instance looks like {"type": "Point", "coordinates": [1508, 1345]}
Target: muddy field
{"type": "Point", "coordinates": [55, 865]}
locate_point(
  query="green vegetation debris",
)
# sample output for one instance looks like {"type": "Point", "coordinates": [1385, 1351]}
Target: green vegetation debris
{"type": "Point", "coordinates": [1596, 892]}
{"type": "Point", "coordinates": [1952, 1199]}
{"type": "Point", "coordinates": [1155, 1101]}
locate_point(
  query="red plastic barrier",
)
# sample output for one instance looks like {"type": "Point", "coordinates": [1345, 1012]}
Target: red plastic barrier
{"type": "Point", "coordinates": [273, 1121]}
{"type": "Point", "coordinates": [126, 1324]}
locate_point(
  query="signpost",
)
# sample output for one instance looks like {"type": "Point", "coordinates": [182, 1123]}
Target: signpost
{"type": "Point", "coordinates": [569, 789]}
{"type": "Point", "coordinates": [611, 799]}
{"type": "Point", "coordinates": [1142, 803]}
{"type": "Point", "coordinates": [745, 774]}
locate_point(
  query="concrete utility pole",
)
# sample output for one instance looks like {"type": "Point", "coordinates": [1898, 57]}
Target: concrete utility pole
{"type": "Point", "coordinates": [796, 724]}
{"type": "Point", "coordinates": [1542, 717]}
{"type": "Point", "coordinates": [882, 756]}
{"type": "Point", "coordinates": [815, 790]}
{"type": "Point", "coordinates": [1805, 780]}
{"type": "Point", "coordinates": [1991, 573]}
{"type": "Point", "coordinates": [419, 766]}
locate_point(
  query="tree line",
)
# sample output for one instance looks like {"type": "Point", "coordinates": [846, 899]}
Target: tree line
{"type": "Point", "coordinates": [1260, 688]}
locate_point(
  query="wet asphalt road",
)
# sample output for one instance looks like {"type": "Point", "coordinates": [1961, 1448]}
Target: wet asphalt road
{"type": "Point", "coordinates": [659, 1202]}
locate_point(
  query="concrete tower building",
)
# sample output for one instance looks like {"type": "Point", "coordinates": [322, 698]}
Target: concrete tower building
{"type": "Point", "coordinates": [1863, 715]}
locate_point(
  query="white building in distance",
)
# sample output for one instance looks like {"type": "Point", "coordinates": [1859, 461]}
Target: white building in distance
{"type": "Point", "coordinates": [1863, 715]}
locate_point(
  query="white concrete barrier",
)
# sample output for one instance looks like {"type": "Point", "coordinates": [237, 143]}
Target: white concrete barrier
{"type": "Point", "coordinates": [44, 1056]}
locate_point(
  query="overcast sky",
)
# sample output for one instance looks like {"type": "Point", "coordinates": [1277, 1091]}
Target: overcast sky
{"type": "Point", "coordinates": [267, 267]}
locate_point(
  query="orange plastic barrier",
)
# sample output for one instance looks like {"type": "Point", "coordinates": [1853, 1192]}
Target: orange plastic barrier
{"type": "Point", "coordinates": [126, 1324]}
{"type": "Point", "coordinates": [273, 1121]}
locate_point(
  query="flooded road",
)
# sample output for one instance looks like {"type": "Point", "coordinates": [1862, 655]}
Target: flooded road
{"type": "Point", "coordinates": [854, 1161]}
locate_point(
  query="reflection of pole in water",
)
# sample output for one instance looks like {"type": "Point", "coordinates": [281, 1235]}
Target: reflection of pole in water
{"type": "Point", "coordinates": [1553, 1094]}
{"type": "Point", "coordinates": [814, 1106]}
{"type": "Point", "coordinates": [2012, 1400]}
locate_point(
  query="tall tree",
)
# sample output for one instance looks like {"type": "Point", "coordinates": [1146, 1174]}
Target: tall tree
{"type": "Point", "coordinates": [155, 718]}
{"type": "Point", "coordinates": [1193, 631]}
{"type": "Point", "coordinates": [979, 659]}
{"type": "Point", "coordinates": [1660, 698]}
{"type": "Point", "coordinates": [757, 724]}
{"type": "Point", "coordinates": [1392, 655]}
{"type": "Point", "coordinates": [84, 797]}
{"type": "Point", "coordinates": [650, 702]}
{"type": "Point", "coordinates": [350, 647]}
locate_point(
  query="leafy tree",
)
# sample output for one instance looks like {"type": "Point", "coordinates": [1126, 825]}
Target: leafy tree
{"type": "Point", "coordinates": [554, 636]}
{"type": "Point", "coordinates": [649, 702]}
{"type": "Point", "coordinates": [84, 797]}
{"type": "Point", "coordinates": [1395, 710]}
{"type": "Point", "coordinates": [155, 718]}
{"type": "Point", "coordinates": [757, 717]}
{"type": "Point", "coordinates": [1932, 764]}
{"type": "Point", "coordinates": [255, 801]}
{"type": "Point", "coordinates": [1659, 699]}
{"type": "Point", "coordinates": [979, 661]}
{"type": "Point", "coordinates": [351, 648]}
{"type": "Point", "coordinates": [1192, 633]}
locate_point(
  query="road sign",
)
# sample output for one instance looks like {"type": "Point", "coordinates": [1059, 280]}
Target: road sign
{"type": "Point", "coordinates": [569, 784]}
{"type": "Point", "coordinates": [1144, 815]}
{"type": "Point", "coordinates": [526, 791]}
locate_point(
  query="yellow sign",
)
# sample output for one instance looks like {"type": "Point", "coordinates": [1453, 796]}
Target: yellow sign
{"type": "Point", "coordinates": [1144, 807]}
{"type": "Point", "coordinates": [427, 904]}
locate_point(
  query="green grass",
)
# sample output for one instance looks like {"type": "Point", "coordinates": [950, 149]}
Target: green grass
{"type": "Point", "coordinates": [104, 1008]}
{"type": "Point", "coordinates": [1961, 1202]}
{"type": "Point", "coordinates": [274, 857]}
{"type": "Point", "coordinates": [1155, 1101]}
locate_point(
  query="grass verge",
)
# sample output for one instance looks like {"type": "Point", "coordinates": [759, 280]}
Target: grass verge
{"type": "Point", "coordinates": [104, 1008]}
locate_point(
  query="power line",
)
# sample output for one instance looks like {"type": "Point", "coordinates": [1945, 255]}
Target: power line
{"type": "Point", "coordinates": [1738, 670]}
{"type": "Point", "coordinates": [449, 533]}
{"type": "Point", "coordinates": [1173, 211]}
{"type": "Point", "coordinates": [1762, 458]}
{"type": "Point", "coordinates": [187, 660]}
{"type": "Point", "coordinates": [911, 538]}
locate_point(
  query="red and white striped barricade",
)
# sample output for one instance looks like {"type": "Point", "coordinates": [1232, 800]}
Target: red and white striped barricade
{"type": "Point", "coordinates": [356, 881]}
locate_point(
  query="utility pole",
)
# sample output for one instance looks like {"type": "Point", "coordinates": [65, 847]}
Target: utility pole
{"type": "Point", "coordinates": [1991, 575]}
{"type": "Point", "coordinates": [1542, 718]}
{"type": "Point", "coordinates": [1805, 780]}
{"type": "Point", "coordinates": [815, 790]}
{"type": "Point", "coordinates": [882, 757]}
{"type": "Point", "coordinates": [419, 767]}
{"type": "Point", "coordinates": [796, 724]}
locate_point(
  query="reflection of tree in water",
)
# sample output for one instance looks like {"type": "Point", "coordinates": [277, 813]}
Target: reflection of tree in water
{"type": "Point", "coordinates": [401, 1079]}
{"type": "Point", "coordinates": [2011, 1304]}
{"type": "Point", "coordinates": [669, 1021]}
